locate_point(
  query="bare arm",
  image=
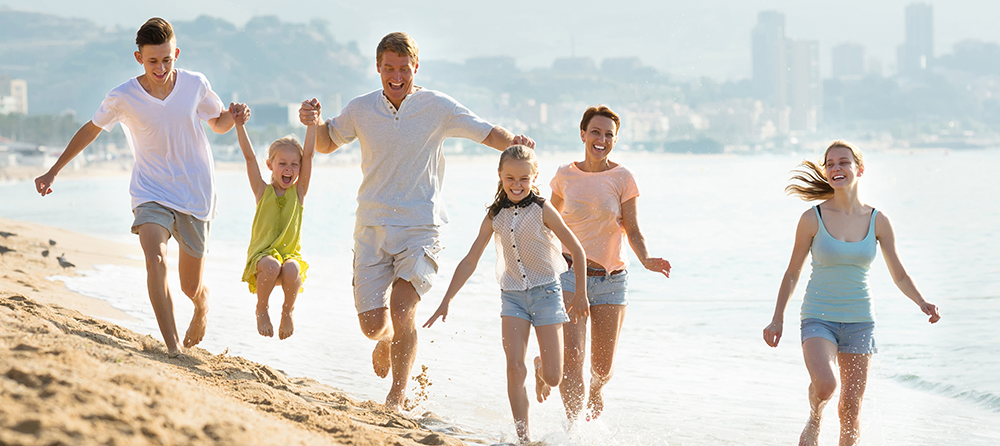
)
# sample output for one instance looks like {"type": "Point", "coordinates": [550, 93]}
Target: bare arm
{"type": "Point", "coordinates": [464, 270]}
{"type": "Point", "coordinates": [580, 308]}
{"type": "Point", "coordinates": [887, 239]}
{"type": "Point", "coordinates": [240, 114]}
{"type": "Point", "coordinates": [804, 233]}
{"type": "Point", "coordinates": [83, 138]}
{"type": "Point", "coordinates": [305, 171]}
{"type": "Point", "coordinates": [638, 241]}
{"type": "Point", "coordinates": [500, 139]}
{"type": "Point", "coordinates": [223, 123]}
{"type": "Point", "coordinates": [309, 114]}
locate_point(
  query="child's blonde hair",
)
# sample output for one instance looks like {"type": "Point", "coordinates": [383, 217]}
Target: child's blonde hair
{"type": "Point", "coordinates": [516, 152]}
{"type": "Point", "coordinates": [289, 140]}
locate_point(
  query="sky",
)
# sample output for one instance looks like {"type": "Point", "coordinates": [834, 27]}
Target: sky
{"type": "Point", "coordinates": [687, 39]}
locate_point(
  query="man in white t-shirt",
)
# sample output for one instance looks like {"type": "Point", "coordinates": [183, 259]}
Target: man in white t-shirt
{"type": "Point", "coordinates": [173, 179]}
{"type": "Point", "coordinates": [400, 128]}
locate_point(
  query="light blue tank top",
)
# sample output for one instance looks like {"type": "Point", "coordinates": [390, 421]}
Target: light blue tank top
{"type": "Point", "coordinates": [838, 287]}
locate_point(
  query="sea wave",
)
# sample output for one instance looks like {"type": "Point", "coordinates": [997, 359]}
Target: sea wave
{"type": "Point", "coordinates": [985, 400]}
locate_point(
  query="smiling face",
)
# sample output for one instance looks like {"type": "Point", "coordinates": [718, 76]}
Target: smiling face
{"type": "Point", "coordinates": [841, 167]}
{"type": "Point", "coordinates": [158, 61]}
{"type": "Point", "coordinates": [284, 163]}
{"type": "Point", "coordinates": [517, 177]}
{"type": "Point", "coordinates": [599, 137]}
{"type": "Point", "coordinates": [397, 76]}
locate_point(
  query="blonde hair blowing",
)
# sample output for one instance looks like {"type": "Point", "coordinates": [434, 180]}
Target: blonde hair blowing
{"type": "Point", "coordinates": [289, 140]}
{"type": "Point", "coordinates": [811, 177]}
{"type": "Point", "coordinates": [515, 152]}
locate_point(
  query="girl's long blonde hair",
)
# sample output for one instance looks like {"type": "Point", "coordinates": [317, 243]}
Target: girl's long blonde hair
{"type": "Point", "coordinates": [516, 152]}
{"type": "Point", "coordinates": [809, 181]}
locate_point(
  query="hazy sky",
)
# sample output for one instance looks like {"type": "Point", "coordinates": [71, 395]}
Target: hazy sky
{"type": "Point", "coordinates": [687, 39]}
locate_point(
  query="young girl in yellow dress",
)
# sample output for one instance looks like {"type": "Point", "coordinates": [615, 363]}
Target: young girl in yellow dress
{"type": "Point", "coordinates": [273, 257]}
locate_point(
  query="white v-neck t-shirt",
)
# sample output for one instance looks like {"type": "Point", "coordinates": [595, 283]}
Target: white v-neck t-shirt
{"type": "Point", "coordinates": [173, 160]}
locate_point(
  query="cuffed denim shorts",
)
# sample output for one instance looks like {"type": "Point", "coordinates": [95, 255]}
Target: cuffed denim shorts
{"type": "Point", "coordinates": [601, 290]}
{"type": "Point", "coordinates": [849, 337]}
{"type": "Point", "coordinates": [541, 305]}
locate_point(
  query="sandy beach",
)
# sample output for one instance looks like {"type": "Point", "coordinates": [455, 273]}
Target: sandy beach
{"type": "Point", "coordinates": [69, 377]}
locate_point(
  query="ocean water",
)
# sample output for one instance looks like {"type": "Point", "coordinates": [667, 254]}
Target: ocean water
{"type": "Point", "coordinates": [692, 368]}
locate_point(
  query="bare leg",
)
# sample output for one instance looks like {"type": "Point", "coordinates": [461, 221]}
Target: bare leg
{"type": "Point", "coordinates": [291, 281]}
{"type": "Point", "coordinates": [190, 270]}
{"type": "Point", "coordinates": [854, 379]}
{"type": "Point", "coordinates": [606, 327]}
{"type": "Point", "coordinates": [377, 326]}
{"type": "Point", "coordinates": [821, 360]}
{"type": "Point", "coordinates": [515, 346]}
{"type": "Point", "coordinates": [572, 387]}
{"type": "Point", "coordinates": [153, 239]}
{"type": "Point", "coordinates": [268, 272]}
{"type": "Point", "coordinates": [548, 365]}
{"type": "Point", "coordinates": [403, 305]}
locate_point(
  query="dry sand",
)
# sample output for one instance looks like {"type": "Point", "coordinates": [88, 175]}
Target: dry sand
{"type": "Point", "coordinates": [68, 377]}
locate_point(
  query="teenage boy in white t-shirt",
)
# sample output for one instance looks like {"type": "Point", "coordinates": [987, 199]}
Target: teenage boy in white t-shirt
{"type": "Point", "coordinates": [173, 182]}
{"type": "Point", "coordinates": [401, 128]}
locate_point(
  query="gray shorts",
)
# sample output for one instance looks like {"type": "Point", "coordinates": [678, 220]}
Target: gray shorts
{"type": "Point", "coordinates": [541, 305]}
{"type": "Point", "coordinates": [849, 337]}
{"type": "Point", "coordinates": [191, 233]}
{"type": "Point", "coordinates": [601, 290]}
{"type": "Point", "coordinates": [383, 254]}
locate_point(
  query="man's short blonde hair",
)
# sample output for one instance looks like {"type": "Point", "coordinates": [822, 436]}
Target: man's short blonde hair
{"type": "Point", "coordinates": [399, 43]}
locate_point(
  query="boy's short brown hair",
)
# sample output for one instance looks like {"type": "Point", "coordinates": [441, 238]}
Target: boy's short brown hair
{"type": "Point", "coordinates": [155, 31]}
{"type": "Point", "coordinates": [399, 43]}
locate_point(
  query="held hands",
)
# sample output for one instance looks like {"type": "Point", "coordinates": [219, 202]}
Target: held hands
{"type": "Point", "coordinates": [928, 309]}
{"type": "Point", "coordinates": [240, 112]}
{"type": "Point", "coordinates": [658, 265]}
{"type": "Point", "coordinates": [309, 113]}
{"type": "Point", "coordinates": [43, 184]}
{"type": "Point", "coordinates": [579, 309]}
{"type": "Point", "coordinates": [441, 312]}
{"type": "Point", "coordinates": [772, 333]}
{"type": "Point", "coordinates": [523, 140]}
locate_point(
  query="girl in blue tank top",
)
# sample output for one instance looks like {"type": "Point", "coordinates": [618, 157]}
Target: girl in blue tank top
{"type": "Point", "coordinates": [837, 319]}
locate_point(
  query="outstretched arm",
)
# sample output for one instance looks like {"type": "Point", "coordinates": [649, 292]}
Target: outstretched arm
{"type": "Point", "coordinates": [309, 114]}
{"type": "Point", "coordinates": [887, 239]}
{"type": "Point", "coordinates": [83, 137]}
{"type": "Point", "coordinates": [580, 307]}
{"type": "Point", "coordinates": [240, 114]}
{"type": "Point", "coordinates": [223, 123]}
{"type": "Point", "coordinates": [500, 139]}
{"type": "Point", "coordinates": [305, 171]}
{"type": "Point", "coordinates": [804, 233]}
{"type": "Point", "coordinates": [638, 241]}
{"type": "Point", "coordinates": [464, 270]}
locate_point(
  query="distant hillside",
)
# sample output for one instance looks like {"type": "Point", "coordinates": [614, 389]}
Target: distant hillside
{"type": "Point", "coordinates": [71, 63]}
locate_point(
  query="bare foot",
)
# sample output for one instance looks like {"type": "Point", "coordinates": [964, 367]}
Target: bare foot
{"type": "Point", "coordinates": [287, 326]}
{"type": "Point", "coordinates": [542, 390]}
{"type": "Point", "coordinates": [810, 434]}
{"type": "Point", "coordinates": [173, 353]}
{"type": "Point", "coordinates": [264, 326]}
{"type": "Point", "coordinates": [394, 401]}
{"type": "Point", "coordinates": [381, 358]}
{"type": "Point", "coordinates": [199, 320]}
{"type": "Point", "coordinates": [595, 404]}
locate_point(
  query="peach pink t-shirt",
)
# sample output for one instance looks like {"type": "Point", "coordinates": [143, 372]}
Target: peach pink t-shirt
{"type": "Point", "coordinates": [592, 208]}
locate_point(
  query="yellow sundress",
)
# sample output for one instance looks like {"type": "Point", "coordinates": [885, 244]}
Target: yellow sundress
{"type": "Point", "coordinates": [276, 232]}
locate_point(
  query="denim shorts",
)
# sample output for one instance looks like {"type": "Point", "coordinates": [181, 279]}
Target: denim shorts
{"type": "Point", "coordinates": [849, 337]}
{"type": "Point", "coordinates": [601, 290]}
{"type": "Point", "coordinates": [541, 305]}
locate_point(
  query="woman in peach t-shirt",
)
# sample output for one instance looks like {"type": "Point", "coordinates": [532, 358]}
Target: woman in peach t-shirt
{"type": "Point", "coordinates": [597, 199]}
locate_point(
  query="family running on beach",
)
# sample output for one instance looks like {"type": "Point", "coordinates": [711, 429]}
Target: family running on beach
{"type": "Point", "coordinates": [560, 261]}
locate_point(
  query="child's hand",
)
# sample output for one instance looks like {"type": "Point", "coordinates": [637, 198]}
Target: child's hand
{"type": "Point", "coordinates": [309, 113]}
{"type": "Point", "coordinates": [579, 308]}
{"type": "Point", "coordinates": [441, 312]}
{"type": "Point", "coordinates": [240, 112]}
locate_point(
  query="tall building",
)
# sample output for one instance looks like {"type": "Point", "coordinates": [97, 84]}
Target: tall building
{"type": "Point", "coordinates": [805, 87]}
{"type": "Point", "coordinates": [13, 95]}
{"type": "Point", "coordinates": [769, 59]}
{"type": "Point", "coordinates": [847, 61]}
{"type": "Point", "coordinates": [916, 54]}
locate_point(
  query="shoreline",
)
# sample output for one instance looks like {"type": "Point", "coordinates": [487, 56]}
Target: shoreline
{"type": "Point", "coordinates": [67, 375]}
